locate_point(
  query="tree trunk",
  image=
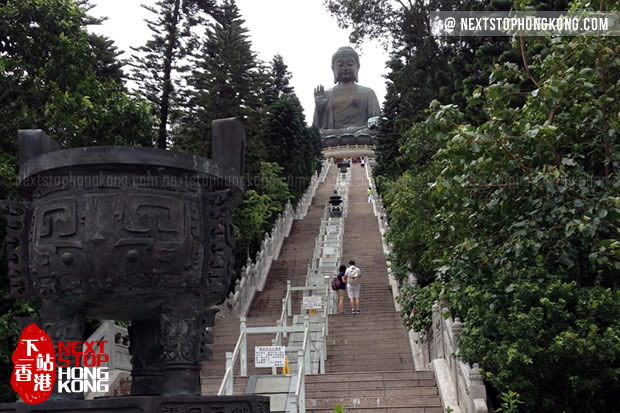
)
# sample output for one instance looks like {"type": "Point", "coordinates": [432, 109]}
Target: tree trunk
{"type": "Point", "coordinates": [167, 87]}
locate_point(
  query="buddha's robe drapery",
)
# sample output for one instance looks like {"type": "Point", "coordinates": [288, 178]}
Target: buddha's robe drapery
{"type": "Point", "coordinates": [364, 105]}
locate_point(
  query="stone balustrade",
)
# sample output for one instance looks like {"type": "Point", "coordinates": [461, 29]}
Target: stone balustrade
{"type": "Point", "coordinates": [254, 274]}
{"type": "Point", "coordinates": [116, 347]}
{"type": "Point", "coordinates": [460, 385]}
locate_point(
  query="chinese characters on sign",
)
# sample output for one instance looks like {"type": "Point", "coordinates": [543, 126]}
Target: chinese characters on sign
{"type": "Point", "coordinates": [312, 302]}
{"type": "Point", "coordinates": [269, 356]}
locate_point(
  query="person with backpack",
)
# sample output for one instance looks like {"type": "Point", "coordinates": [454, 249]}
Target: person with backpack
{"type": "Point", "coordinates": [353, 276]}
{"type": "Point", "coordinates": [341, 288]}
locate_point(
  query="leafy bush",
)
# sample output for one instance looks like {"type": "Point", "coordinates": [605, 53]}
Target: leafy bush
{"type": "Point", "coordinates": [517, 219]}
{"type": "Point", "coordinates": [417, 306]}
{"type": "Point", "coordinates": [258, 212]}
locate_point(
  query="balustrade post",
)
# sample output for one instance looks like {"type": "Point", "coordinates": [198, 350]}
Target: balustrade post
{"type": "Point", "coordinates": [274, 342]}
{"type": "Point", "coordinates": [322, 360]}
{"type": "Point", "coordinates": [309, 347]}
{"type": "Point", "coordinates": [301, 402]}
{"type": "Point", "coordinates": [477, 391]}
{"type": "Point", "coordinates": [229, 379]}
{"type": "Point", "coordinates": [301, 306]}
{"type": "Point", "coordinates": [285, 319]}
{"type": "Point", "coordinates": [457, 327]}
{"type": "Point", "coordinates": [244, 349]}
{"type": "Point", "coordinates": [327, 313]}
{"type": "Point", "coordinates": [438, 351]}
{"type": "Point", "coordinates": [289, 294]}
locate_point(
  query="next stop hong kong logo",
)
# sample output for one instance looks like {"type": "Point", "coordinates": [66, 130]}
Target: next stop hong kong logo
{"type": "Point", "coordinates": [82, 366]}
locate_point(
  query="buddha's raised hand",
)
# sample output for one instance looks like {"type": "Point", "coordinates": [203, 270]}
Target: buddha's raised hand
{"type": "Point", "coordinates": [320, 98]}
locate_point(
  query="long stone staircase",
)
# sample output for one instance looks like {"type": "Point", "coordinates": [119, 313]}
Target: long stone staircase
{"type": "Point", "coordinates": [292, 265]}
{"type": "Point", "coordinates": [369, 362]}
{"type": "Point", "coordinates": [369, 366]}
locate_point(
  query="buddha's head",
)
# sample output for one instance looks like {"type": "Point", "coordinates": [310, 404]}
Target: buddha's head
{"type": "Point", "coordinates": [345, 64]}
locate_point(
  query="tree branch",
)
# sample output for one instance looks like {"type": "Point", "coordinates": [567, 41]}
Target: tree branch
{"type": "Point", "coordinates": [524, 56]}
{"type": "Point", "coordinates": [603, 110]}
{"type": "Point", "coordinates": [515, 157]}
{"type": "Point", "coordinates": [556, 155]}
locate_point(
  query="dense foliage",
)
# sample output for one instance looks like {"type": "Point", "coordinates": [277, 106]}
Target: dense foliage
{"type": "Point", "coordinates": [55, 76]}
{"type": "Point", "coordinates": [505, 196]}
{"type": "Point", "coordinates": [259, 210]}
{"type": "Point", "coordinates": [523, 232]}
{"type": "Point", "coordinates": [162, 57]}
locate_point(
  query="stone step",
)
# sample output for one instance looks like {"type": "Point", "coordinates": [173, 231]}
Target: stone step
{"type": "Point", "coordinates": [387, 402]}
{"type": "Point", "coordinates": [358, 377]}
{"type": "Point", "coordinates": [392, 409]}
{"type": "Point", "coordinates": [361, 357]}
{"type": "Point", "coordinates": [394, 341]}
{"type": "Point", "coordinates": [369, 364]}
{"type": "Point", "coordinates": [211, 385]}
{"type": "Point", "coordinates": [339, 391]}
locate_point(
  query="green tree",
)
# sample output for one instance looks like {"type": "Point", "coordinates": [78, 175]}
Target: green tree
{"type": "Point", "coordinates": [289, 143]}
{"type": "Point", "coordinates": [49, 80]}
{"type": "Point", "coordinates": [226, 83]}
{"type": "Point", "coordinates": [55, 76]}
{"type": "Point", "coordinates": [107, 63]}
{"type": "Point", "coordinates": [280, 79]}
{"type": "Point", "coordinates": [523, 235]}
{"type": "Point", "coordinates": [160, 59]}
{"type": "Point", "coordinates": [259, 211]}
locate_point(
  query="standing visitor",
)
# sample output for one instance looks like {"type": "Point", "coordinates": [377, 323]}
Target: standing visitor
{"type": "Point", "coordinates": [341, 288]}
{"type": "Point", "coordinates": [370, 198]}
{"type": "Point", "coordinates": [353, 275]}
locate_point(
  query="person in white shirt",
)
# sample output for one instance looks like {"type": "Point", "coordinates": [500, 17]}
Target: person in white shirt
{"type": "Point", "coordinates": [353, 275]}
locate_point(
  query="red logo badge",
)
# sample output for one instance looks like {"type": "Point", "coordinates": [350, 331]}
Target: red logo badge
{"type": "Point", "coordinates": [34, 359]}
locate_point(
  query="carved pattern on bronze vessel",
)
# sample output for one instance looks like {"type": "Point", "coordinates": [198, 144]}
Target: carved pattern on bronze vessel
{"type": "Point", "coordinates": [67, 329]}
{"type": "Point", "coordinates": [220, 242]}
{"type": "Point", "coordinates": [177, 338]}
{"type": "Point", "coordinates": [56, 247]}
{"type": "Point", "coordinates": [263, 407]}
{"type": "Point", "coordinates": [17, 215]}
{"type": "Point", "coordinates": [206, 322]}
{"type": "Point", "coordinates": [241, 408]}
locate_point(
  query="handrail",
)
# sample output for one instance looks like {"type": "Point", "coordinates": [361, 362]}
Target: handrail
{"type": "Point", "coordinates": [300, 393]}
{"type": "Point", "coordinates": [240, 351]}
{"type": "Point", "coordinates": [286, 311]}
{"type": "Point", "coordinates": [302, 365]}
{"type": "Point", "coordinates": [231, 359]}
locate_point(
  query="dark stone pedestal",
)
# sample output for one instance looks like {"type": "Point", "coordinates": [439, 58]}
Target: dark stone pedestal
{"type": "Point", "coordinates": [148, 404]}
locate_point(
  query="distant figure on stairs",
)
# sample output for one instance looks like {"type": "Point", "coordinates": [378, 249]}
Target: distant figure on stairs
{"type": "Point", "coordinates": [370, 198]}
{"type": "Point", "coordinates": [342, 288]}
{"type": "Point", "coordinates": [353, 275]}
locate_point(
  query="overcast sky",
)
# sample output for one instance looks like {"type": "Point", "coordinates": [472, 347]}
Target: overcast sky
{"type": "Point", "coordinates": [301, 31]}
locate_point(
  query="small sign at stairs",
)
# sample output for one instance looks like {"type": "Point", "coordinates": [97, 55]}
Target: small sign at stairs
{"type": "Point", "coordinates": [269, 356]}
{"type": "Point", "coordinates": [312, 302]}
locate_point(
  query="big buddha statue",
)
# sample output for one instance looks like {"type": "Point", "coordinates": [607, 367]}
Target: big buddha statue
{"type": "Point", "coordinates": [347, 113]}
